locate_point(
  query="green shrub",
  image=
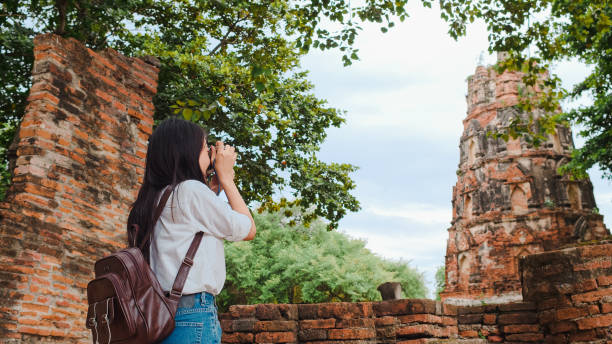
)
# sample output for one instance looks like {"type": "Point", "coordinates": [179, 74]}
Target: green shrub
{"type": "Point", "coordinates": [295, 264]}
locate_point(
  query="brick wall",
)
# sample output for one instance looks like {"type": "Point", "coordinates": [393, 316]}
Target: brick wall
{"type": "Point", "coordinates": [80, 153]}
{"type": "Point", "coordinates": [572, 289]}
{"type": "Point", "coordinates": [502, 323]}
{"type": "Point", "coordinates": [408, 321]}
{"type": "Point", "coordinates": [365, 322]}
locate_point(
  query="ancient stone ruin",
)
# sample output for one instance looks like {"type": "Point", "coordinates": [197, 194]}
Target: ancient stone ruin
{"type": "Point", "coordinates": [80, 151]}
{"type": "Point", "coordinates": [79, 156]}
{"type": "Point", "coordinates": [509, 201]}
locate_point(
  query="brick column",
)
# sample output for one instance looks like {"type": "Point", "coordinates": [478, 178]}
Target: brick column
{"type": "Point", "coordinates": [80, 157]}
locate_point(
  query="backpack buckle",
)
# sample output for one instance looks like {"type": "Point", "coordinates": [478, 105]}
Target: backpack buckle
{"type": "Point", "coordinates": [187, 261]}
{"type": "Point", "coordinates": [176, 293]}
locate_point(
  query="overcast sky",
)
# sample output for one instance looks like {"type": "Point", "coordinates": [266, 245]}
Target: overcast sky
{"type": "Point", "coordinates": [405, 102]}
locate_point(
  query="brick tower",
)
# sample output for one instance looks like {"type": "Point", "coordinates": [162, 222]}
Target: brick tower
{"type": "Point", "coordinates": [509, 200]}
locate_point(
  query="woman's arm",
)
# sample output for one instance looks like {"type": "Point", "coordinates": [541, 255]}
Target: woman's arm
{"type": "Point", "coordinates": [225, 158]}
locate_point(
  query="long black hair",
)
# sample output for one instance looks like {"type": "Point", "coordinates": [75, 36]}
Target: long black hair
{"type": "Point", "coordinates": [172, 157]}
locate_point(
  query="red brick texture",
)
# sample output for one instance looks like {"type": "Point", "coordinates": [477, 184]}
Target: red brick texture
{"type": "Point", "coordinates": [509, 200]}
{"type": "Point", "coordinates": [400, 321]}
{"type": "Point", "coordinates": [573, 292]}
{"type": "Point", "coordinates": [80, 154]}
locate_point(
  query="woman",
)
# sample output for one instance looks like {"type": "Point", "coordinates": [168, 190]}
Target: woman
{"type": "Point", "coordinates": [178, 158]}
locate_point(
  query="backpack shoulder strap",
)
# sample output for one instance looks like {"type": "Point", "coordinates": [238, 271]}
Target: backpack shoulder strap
{"type": "Point", "coordinates": [158, 210]}
{"type": "Point", "coordinates": [181, 275]}
{"type": "Point", "coordinates": [162, 204]}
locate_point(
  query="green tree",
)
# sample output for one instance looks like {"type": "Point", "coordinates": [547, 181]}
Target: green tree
{"type": "Point", "coordinates": [440, 281]}
{"type": "Point", "coordinates": [308, 265]}
{"type": "Point", "coordinates": [231, 66]}
{"type": "Point", "coordinates": [552, 31]}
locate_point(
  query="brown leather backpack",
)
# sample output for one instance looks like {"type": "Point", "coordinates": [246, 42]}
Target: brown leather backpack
{"type": "Point", "coordinates": [126, 301]}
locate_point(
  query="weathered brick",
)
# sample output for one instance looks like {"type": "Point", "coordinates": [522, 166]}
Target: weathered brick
{"type": "Point", "coordinates": [562, 326]}
{"type": "Point", "coordinates": [525, 337]}
{"type": "Point", "coordinates": [571, 313]}
{"type": "Point", "coordinates": [312, 334]}
{"type": "Point", "coordinates": [489, 319]}
{"type": "Point", "coordinates": [275, 326]}
{"type": "Point", "coordinates": [583, 336]}
{"type": "Point", "coordinates": [386, 321]}
{"type": "Point", "coordinates": [288, 312]}
{"type": "Point", "coordinates": [592, 296]}
{"type": "Point", "coordinates": [586, 285]}
{"type": "Point", "coordinates": [354, 333]}
{"type": "Point", "coordinates": [423, 330]}
{"type": "Point", "coordinates": [318, 323]}
{"type": "Point", "coordinates": [275, 337]}
{"type": "Point", "coordinates": [243, 325]}
{"type": "Point", "coordinates": [267, 312]}
{"type": "Point", "coordinates": [237, 338]}
{"type": "Point", "coordinates": [346, 310]}
{"type": "Point", "coordinates": [517, 318]}
{"type": "Point", "coordinates": [604, 320]}
{"type": "Point", "coordinates": [351, 323]}
{"type": "Point", "coordinates": [421, 318]}
{"type": "Point", "coordinates": [308, 311]}
{"type": "Point", "coordinates": [517, 306]}
{"type": "Point", "coordinates": [604, 280]}
{"type": "Point", "coordinates": [521, 328]}
{"type": "Point", "coordinates": [405, 306]}
{"type": "Point", "coordinates": [470, 319]}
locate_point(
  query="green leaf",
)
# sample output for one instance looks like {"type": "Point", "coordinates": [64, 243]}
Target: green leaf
{"type": "Point", "coordinates": [187, 113]}
{"type": "Point", "coordinates": [256, 71]}
{"type": "Point", "coordinates": [260, 86]}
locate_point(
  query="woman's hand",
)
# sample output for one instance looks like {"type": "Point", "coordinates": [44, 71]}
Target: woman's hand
{"type": "Point", "coordinates": [225, 159]}
{"type": "Point", "coordinates": [212, 179]}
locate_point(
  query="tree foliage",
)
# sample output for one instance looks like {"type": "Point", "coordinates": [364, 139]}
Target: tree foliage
{"type": "Point", "coordinates": [537, 34]}
{"type": "Point", "coordinates": [231, 66]}
{"type": "Point", "coordinates": [308, 265]}
{"type": "Point", "coordinates": [440, 281]}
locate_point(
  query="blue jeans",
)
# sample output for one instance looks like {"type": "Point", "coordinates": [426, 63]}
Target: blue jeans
{"type": "Point", "coordinates": [196, 321]}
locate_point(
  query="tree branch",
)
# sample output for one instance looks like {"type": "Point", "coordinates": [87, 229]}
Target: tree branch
{"type": "Point", "coordinates": [61, 19]}
{"type": "Point", "coordinates": [225, 40]}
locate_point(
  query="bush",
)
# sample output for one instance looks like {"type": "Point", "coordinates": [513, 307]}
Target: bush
{"type": "Point", "coordinates": [286, 264]}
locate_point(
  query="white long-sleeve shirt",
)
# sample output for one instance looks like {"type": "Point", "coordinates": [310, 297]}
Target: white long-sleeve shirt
{"type": "Point", "coordinates": [193, 207]}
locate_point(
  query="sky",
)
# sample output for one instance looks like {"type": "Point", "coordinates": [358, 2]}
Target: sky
{"type": "Point", "coordinates": [404, 103]}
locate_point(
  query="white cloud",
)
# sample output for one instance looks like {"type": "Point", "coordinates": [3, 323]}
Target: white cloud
{"type": "Point", "coordinates": [409, 81]}
{"type": "Point", "coordinates": [605, 198]}
{"type": "Point", "coordinates": [415, 212]}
